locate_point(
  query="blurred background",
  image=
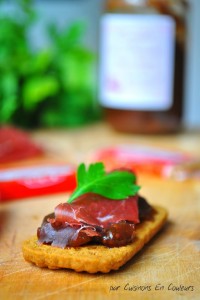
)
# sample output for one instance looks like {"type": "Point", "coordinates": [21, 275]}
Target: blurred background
{"type": "Point", "coordinates": [49, 63]}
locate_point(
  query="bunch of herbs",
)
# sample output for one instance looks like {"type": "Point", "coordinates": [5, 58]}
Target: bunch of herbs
{"type": "Point", "coordinates": [53, 86]}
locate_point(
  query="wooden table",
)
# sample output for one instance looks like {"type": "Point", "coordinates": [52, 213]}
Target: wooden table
{"type": "Point", "coordinates": [171, 261]}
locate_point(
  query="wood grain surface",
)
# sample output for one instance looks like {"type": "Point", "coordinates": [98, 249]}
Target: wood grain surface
{"type": "Point", "coordinates": [167, 268]}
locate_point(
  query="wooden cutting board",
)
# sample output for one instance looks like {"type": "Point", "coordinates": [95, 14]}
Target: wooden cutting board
{"type": "Point", "coordinates": [167, 268]}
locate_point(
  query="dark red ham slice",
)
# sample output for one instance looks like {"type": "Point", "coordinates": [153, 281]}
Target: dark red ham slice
{"type": "Point", "coordinates": [93, 218]}
{"type": "Point", "coordinates": [97, 210]}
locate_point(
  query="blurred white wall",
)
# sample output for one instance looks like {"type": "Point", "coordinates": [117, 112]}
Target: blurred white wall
{"type": "Point", "coordinates": [63, 12]}
{"type": "Point", "coordinates": [192, 80]}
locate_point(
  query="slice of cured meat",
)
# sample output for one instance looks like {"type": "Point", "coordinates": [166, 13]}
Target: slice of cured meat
{"type": "Point", "coordinates": [93, 218]}
{"type": "Point", "coordinates": [97, 210]}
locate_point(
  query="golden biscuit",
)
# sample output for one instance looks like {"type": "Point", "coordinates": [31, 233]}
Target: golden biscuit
{"type": "Point", "coordinates": [93, 258]}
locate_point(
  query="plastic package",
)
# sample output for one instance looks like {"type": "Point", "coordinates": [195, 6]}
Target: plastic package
{"type": "Point", "coordinates": [150, 160]}
{"type": "Point", "coordinates": [23, 182]}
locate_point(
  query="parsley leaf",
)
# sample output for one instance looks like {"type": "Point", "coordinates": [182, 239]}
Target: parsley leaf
{"type": "Point", "coordinates": [116, 185]}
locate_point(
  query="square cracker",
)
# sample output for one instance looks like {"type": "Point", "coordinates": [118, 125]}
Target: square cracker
{"type": "Point", "coordinates": [93, 258]}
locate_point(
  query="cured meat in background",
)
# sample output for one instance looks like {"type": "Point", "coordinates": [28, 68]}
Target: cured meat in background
{"type": "Point", "coordinates": [15, 144]}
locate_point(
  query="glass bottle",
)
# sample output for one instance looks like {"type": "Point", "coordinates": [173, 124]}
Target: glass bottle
{"type": "Point", "coordinates": [142, 64]}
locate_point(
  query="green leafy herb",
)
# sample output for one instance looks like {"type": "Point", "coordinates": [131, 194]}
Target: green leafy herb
{"type": "Point", "coordinates": [116, 185]}
{"type": "Point", "coordinates": [50, 86]}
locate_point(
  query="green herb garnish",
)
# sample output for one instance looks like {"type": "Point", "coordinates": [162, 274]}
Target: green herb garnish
{"type": "Point", "coordinates": [116, 185]}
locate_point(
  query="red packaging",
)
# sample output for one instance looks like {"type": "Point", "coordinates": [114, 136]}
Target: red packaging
{"type": "Point", "coordinates": [23, 182]}
{"type": "Point", "coordinates": [142, 159]}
